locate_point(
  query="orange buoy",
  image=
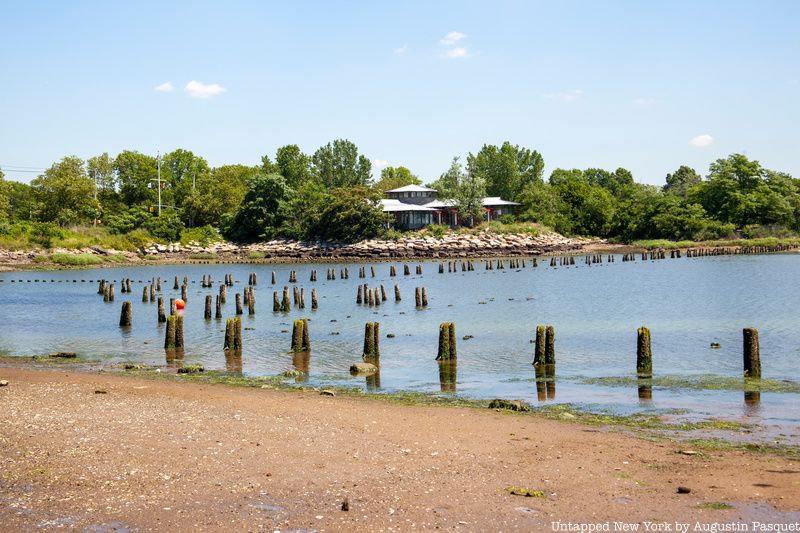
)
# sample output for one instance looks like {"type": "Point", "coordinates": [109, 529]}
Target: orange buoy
{"type": "Point", "coordinates": [179, 304]}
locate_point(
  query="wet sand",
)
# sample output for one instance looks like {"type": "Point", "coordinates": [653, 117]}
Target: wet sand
{"type": "Point", "coordinates": [96, 452]}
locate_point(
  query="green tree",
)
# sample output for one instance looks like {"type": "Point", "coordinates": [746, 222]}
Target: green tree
{"type": "Point", "coordinates": [541, 203]}
{"type": "Point", "coordinates": [506, 169]}
{"type": "Point", "coordinates": [135, 175]}
{"type": "Point", "coordinates": [100, 169]}
{"type": "Point", "coordinates": [349, 215]}
{"type": "Point", "coordinates": [680, 181]}
{"type": "Point", "coordinates": [260, 214]}
{"type": "Point", "coordinates": [338, 164]}
{"type": "Point", "coordinates": [447, 184]}
{"type": "Point", "coordinates": [395, 177]}
{"type": "Point", "coordinates": [469, 197]}
{"type": "Point", "coordinates": [181, 169]}
{"type": "Point", "coordinates": [303, 209]}
{"type": "Point", "coordinates": [5, 196]}
{"type": "Point", "coordinates": [217, 193]}
{"type": "Point", "coordinates": [65, 193]}
{"type": "Point", "coordinates": [22, 201]}
{"type": "Point", "coordinates": [293, 165]}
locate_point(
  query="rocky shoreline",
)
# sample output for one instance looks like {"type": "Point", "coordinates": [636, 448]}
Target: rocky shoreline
{"type": "Point", "coordinates": [449, 246]}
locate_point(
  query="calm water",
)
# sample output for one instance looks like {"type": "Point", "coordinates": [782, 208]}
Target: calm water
{"type": "Point", "coordinates": [687, 303]}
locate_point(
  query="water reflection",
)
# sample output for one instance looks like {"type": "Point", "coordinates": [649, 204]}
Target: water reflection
{"type": "Point", "coordinates": [645, 390]}
{"type": "Point", "coordinates": [545, 382]}
{"type": "Point", "coordinates": [302, 363]}
{"type": "Point", "coordinates": [448, 375]}
{"type": "Point", "coordinates": [233, 361]}
{"type": "Point", "coordinates": [374, 379]}
{"type": "Point", "coordinates": [752, 402]}
{"type": "Point", "coordinates": [174, 358]}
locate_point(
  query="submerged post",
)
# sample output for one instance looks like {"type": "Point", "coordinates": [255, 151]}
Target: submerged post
{"type": "Point", "coordinates": [162, 316]}
{"type": "Point", "coordinates": [313, 298]}
{"type": "Point", "coordinates": [644, 356]}
{"type": "Point", "coordinates": [752, 353]}
{"type": "Point", "coordinates": [300, 336]}
{"type": "Point", "coordinates": [208, 307]}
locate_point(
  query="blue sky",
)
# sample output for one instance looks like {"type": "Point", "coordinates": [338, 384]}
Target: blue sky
{"type": "Point", "coordinates": [645, 85]}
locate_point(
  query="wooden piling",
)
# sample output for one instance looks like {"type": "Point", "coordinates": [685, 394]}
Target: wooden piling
{"type": "Point", "coordinates": [383, 293]}
{"type": "Point", "coordinates": [313, 299]}
{"type": "Point", "coordinates": [447, 341]}
{"type": "Point", "coordinates": [238, 304]}
{"type": "Point", "coordinates": [162, 316]}
{"type": "Point", "coordinates": [276, 303]}
{"type": "Point", "coordinates": [218, 308]}
{"type": "Point", "coordinates": [360, 294]}
{"type": "Point", "coordinates": [372, 340]}
{"type": "Point", "coordinates": [424, 297]}
{"type": "Point", "coordinates": [644, 355]}
{"type": "Point", "coordinates": [538, 356]}
{"type": "Point", "coordinates": [300, 336]}
{"type": "Point", "coordinates": [208, 307]}
{"type": "Point", "coordinates": [126, 316]}
{"type": "Point", "coordinates": [145, 296]}
{"type": "Point", "coordinates": [752, 353]}
{"type": "Point", "coordinates": [178, 331]}
{"type": "Point", "coordinates": [397, 293]}
{"type": "Point", "coordinates": [286, 303]}
{"type": "Point", "coordinates": [550, 346]}
{"type": "Point", "coordinates": [223, 293]}
{"type": "Point", "coordinates": [418, 296]}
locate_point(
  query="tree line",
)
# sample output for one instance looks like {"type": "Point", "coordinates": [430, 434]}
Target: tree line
{"type": "Point", "coordinates": [332, 195]}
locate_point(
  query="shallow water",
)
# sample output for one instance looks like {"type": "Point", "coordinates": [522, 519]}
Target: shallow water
{"type": "Point", "coordinates": [686, 303]}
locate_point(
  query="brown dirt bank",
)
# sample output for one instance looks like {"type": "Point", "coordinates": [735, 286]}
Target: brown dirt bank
{"type": "Point", "coordinates": [95, 452]}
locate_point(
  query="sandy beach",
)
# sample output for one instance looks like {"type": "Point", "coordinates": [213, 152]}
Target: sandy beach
{"type": "Point", "coordinates": [97, 452]}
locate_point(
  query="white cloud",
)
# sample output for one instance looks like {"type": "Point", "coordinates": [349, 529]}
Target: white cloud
{"type": "Point", "coordinates": [644, 102]}
{"type": "Point", "coordinates": [701, 141]}
{"type": "Point", "coordinates": [197, 89]}
{"type": "Point", "coordinates": [568, 96]}
{"type": "Point", "coordinates": [455, 53]}
{"type": "Point", "coordinates": [165, 87]}
{"type": "Point", "coordinates": [401, 49]}
{"type": "Point", "coordinates": [380, 163]}
{"type": "Point", "coordinates": [452, 38]}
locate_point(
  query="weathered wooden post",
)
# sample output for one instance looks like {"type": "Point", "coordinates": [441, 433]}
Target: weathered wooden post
{"type": "Point", "coordinates": [273, 277]}
{"type": "Point", "coordinates": [397, 293]}
{"type": "Point", "coordinates": [176, 286]}
{"type": "Point", "coordinates": [158, 284]}
{"type": "Point", "coordinates": [538, 356]}
{"type": "Point", "coordinates": [296, 296]}
{"type": "Point", "coordinates": [313, 299]}
{"type": "Point", "coordinates": [372, 271]}
{"type": "Point", "coordinates": [228, 345]}
{"type": "Point", "coordinates": [447, 341]}
{"type": "Point", "coordinates": [185, 293]}
{"type": "Point", "coordinates": [644, 355]}
{"type": "Point", "coordinates": [145, 297]}
{"type": "Point", "coordinates": [418, 296]}
{"type": "Point", "coordinates": [752, 353]}
{"type": "Point", "coordinates": [550, 346]}
{"type": "Point", "coordinates": [276, 303]}
{"type": "Point", "coordinates": [178, 331]}
{"type": "Point", "coordinates": [300, 337]}
{"type": "Point", "coordinates": [424, 297]}
{"type": "Point", "coordinates": [360, 294]}
{"type": "Point", "coordinates": [162, 316]}
{"type": "Point", "coordinates": [251, 302]}
{"type": "Point", "coordinates": [111, 293]}
{"type": "Point", "coordinates": [302, 298]}
{"type": "Point", "coordinates": [372, 339]}
{"type": "Point", "coordinates": [218, 308]}
{"type": "Point", "coordinates": [406, 270]}
{"type": "Point", "coordinates": [126, 317]}
{"type": "Point", "coordinates": [208, 307]}
{"type": "Point", "coordinates": [237, 334]}
{"type": "Point", "coordinates": [172, 306]}
{"type": "Point", "coordinates": [392, 271]}
{"type": "Point", "coordinates": [101, 286]}
{"type": "Point", "coordinates": [238, 304]}
{"type": "Point", "coordinates": [383, 293]}
{"type": "Point", "coordinates": [223, 293]}
{"type": "Point", "coordinates": [169, 335]}
{"type": "Point", "coordinates": [286, 303]}
{"type": "Point", "coordinates": [152, 293]}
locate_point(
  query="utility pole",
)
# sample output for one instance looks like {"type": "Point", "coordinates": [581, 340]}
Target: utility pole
{"type": "Point", "coordinates": [158, 165]}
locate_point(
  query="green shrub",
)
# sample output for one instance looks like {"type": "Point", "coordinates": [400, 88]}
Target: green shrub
{"type": "Point", "coordinates": [203, 255]}
{"type": "Point", "coordinates": [437, 230]}
{"type": "Point", "coordinates": [203, 235]}
{"type": "Point", "coordinates": [76, 260]}
{"type": "Point", "coordinates": [43, 233]}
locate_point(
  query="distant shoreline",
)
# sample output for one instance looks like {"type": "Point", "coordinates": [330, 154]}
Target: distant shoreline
{"type": "Point", "coordinates": [450, 248]}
